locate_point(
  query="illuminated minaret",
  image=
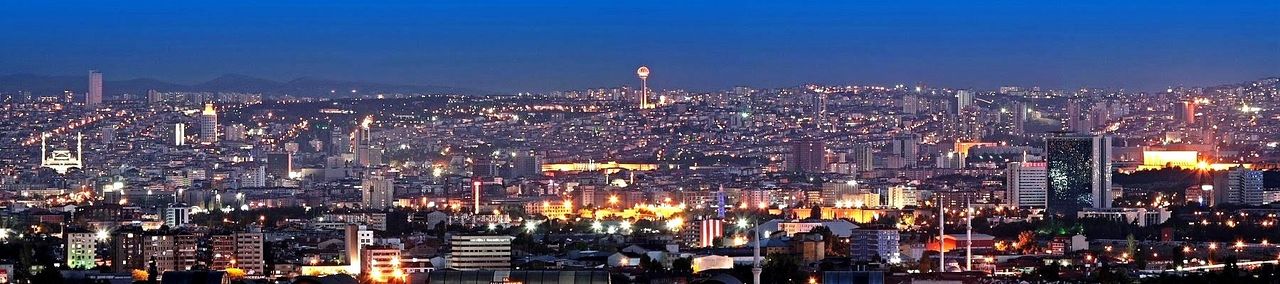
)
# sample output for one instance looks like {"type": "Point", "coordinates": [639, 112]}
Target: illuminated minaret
{"type": "Point", "coordinates": [209, 124]}
{"type": "Point", "coordinates": [942, 237]}
{"type": "Point", "coordinates": [643, 72]}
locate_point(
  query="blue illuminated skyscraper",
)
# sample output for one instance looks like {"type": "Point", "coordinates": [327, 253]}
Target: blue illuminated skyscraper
{"type": "Point", "coordinates": [1079, 172]}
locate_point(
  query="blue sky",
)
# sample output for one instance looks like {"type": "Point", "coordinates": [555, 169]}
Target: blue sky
{"type": "Point", "coordinates": [701, 45]}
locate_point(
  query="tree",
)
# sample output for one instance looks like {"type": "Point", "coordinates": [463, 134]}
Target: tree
{"type": "Point", "coordinates": [682, 266]}
{"type": "Point", "coordinates": [782, 268]}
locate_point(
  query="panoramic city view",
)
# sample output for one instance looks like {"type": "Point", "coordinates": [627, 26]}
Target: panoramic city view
{"type": "Point", "coordinates": [504, 142]}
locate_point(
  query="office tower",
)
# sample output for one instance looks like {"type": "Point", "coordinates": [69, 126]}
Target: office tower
{"type": "Point", "coordinates": [1020, 117]}
{"type": "Point", "coordinates": [209, 124]}
{"type": "Point", "coordinates": [1027, 183]}
{"type": "Point", "coordinates": [1185, 112]}
{"type": "Point", "coordinates": [82, 250]}
{"type": "Point", "coordinates": [807, 156]}
{"type": "Point", "coordinates": [964, 98]}
{"type": "Point", "coordinates": [94, 98]}
{"type": "Point", "coordinates": [280, 164]}
{"type": "Point", "coordinates": [1237, 185]}
{"type": "Point", "coordinates": [239, 250]}
{"type": "Point", "coordinates": [526, 163]}
{"type": "Point", "coordinates": [1079, 172]}
{"type": "Point", "coordinates": [356, 238]}
{"type": "Point", "coordinates": [863, 157]}
{"type": "Point", "coordinates": [377, 192]}
{"type": "Point", "coordinates": [907, 147]}
{"type": "Point", "coordinates": [177, 215]}
{"type": "Point", "coordinates": [476, 252]}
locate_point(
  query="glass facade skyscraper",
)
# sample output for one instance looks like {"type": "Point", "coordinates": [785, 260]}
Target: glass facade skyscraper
{"type": "Point", "coordinates": [1079, 172]}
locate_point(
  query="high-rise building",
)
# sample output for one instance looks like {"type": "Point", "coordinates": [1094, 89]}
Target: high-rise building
{"type": "Point", "coordinates": [1073, 120]}
{"type": "Point", "coordinates": [154, 97]}
{"type": "Point", "coordinates": [475, 252]}
{"type": "Point", "coordinates": [526, 163]}
{"type": "Point", "coordinates": [907, 148]}
{"type": "Point", "coordinates": [1020, 117]}
{"type": "Point", "coordinates": [177, 215]}
{"type": "Point", "coordinates": [1237, 185]}
{"type": "Point", "coordinates": [863, 157]}
{"type": "Point", "coordinates": [377, 192]}
{"type": "Point", "coordinates": [355, 239]}
{"type": "Point", "coordinates": [239, 250]}
{"type": "Point", "coordinates": [964, 98]}
{"type": "Point", "coordinates": [179, 134]}
{"type": "Point", "coordinates": [1185, 112]}
{"type": "Point", "coordinates": [209, 124]}
{"type": "Point", "coordinates": [1079, 172]}
{"type": "Point", "coordinates": [1028, 184]}
{"type": "Point", "coordinates": [807, 156]}
{"type": "Point", "coordinates": [94, 98]}
{"type": "Point", "coordinates": [910, 104]}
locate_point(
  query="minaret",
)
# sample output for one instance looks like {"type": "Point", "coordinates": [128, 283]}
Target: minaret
{"type": "Point", "coordinates": [942, 237]}
{"type": "Point", "coordinates": [968, 235]}
{"type": "Point", "coordinates": [43, 151]}
{"type": "Point", "coordinates": [756, 268]}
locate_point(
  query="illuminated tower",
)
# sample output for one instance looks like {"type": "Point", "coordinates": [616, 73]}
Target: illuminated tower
{"type": "Point", "coordinates": [94, 98]}
{"type": "Point", "coordinates": [643, 72]}
{"type": "Point", "coordinates": [209, 124]}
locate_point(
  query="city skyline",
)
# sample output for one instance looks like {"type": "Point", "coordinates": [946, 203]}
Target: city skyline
{"type": "Point", "coordinates": [641, 142]}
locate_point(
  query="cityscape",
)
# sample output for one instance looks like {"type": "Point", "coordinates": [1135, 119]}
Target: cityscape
{"type": "Point", "coordinates": [108, 178]}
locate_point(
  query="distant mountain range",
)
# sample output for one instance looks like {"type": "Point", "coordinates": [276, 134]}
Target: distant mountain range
{"type": "Point", "coordinates": [305, 86]}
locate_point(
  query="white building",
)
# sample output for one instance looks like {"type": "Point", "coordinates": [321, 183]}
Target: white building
{"type": "Point", "coordinates": [209, 124]}
{"type": "Point", "coordinates": [177, 215]}
{"type": "Point", "coordinates": [1141, 216]}
{"type": "Point", "coordinates": [1028, 184]}
{"type": "Point", "coordinates": [480, 252]}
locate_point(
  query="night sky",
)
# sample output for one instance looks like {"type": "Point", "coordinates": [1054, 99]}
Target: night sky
{"type": "Point", "coordinates": [555, 45]}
